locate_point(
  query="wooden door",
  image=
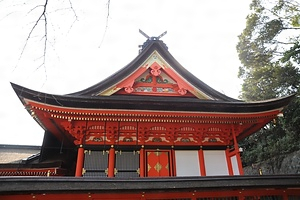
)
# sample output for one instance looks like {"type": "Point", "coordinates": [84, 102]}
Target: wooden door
{"type": "Point", "coordinates": [158, 163]}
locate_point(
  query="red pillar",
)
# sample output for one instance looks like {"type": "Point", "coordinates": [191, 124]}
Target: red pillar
{"type": "Point", "coordinates": [229, 164]}
{"type": "Point", "coordinates": [80, 159]}
{"type": "Point", "coordinates": [111, 162]}
{"type": "Point", "coordinates": [142, 162]}
{"type": "Point", "coordinates": [239, 161]}
{"type": "Point", "coordinates": [172, 168]}
{"type": "Point", "coordinates": [237, 153]}
{"type": "Point", "coordinates": [201, 162]}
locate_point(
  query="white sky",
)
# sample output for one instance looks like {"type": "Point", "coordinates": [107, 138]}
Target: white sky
{"type": "Point", "coordinates": [202, 36]}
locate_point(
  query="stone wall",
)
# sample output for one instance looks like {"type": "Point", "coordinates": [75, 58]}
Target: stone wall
{"type": "Point", "coordinates": [282, 164]}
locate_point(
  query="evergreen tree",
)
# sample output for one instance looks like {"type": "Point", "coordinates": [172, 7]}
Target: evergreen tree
{"type": "Point", "coordinates": [269, 51]}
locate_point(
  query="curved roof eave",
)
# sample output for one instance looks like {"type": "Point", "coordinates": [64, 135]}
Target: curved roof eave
{"type": "Point", "coordinates": [149, 103]}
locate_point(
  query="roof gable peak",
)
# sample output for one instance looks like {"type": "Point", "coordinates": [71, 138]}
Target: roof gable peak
{"type": "Point", "coordinates": [125, 80]}
{"type": "Point", "coordinates": [155, 77]}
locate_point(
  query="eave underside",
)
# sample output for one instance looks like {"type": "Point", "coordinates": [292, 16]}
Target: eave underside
{"type": "Point", "coordinates": [139, 123]}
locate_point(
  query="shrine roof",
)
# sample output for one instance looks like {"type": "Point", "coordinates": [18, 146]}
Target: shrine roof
{"type": "Point", "coordinates": [181, 94]}
{"type": "Point", "coordinates": [158, 47]}
{"type": "Point", "coordinates": [158, 103]}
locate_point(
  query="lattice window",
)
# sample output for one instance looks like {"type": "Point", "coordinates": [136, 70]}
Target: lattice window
{"type": "Point", "coordinates": [127, 164]}
{"type": "Point", "coordinates": [95, 163]}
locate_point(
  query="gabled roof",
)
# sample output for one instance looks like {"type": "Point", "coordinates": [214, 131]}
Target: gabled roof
{"type": "Point", "coordinates": [156, 61]}
{"type": "Point", "coordinates": [177, 94]}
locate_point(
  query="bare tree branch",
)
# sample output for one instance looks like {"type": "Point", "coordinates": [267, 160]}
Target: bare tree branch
{"type": "Point", "coordinates": [287, 43]}
{"type": "Point", "coordinates": [42, 17]}
{"type": "Point", "coordinates": [76, 17]}
{"type": "Point", "coordinates": [67, 8]}
{"type": "Point", "coordinates": [106, 24]}
{"type": "Point", "coordinates": [6, 16]}
{"type": "Point", "coordinates": [291, 28]}
{"type": "Point", "coordinates": [45, 47]}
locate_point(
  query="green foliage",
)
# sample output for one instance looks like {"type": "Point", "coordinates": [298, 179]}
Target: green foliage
{"type": "Point", "coordinates": [295, 21]}
{"type": "Point", "coordinates": [270, 81]}
{"type": "Point", "coordinates": [292, 54]}
{"type": "Point", "coordinates": [271, 30]}
{"type": "Point", "coordinates": [276, 139]}
{"type": "Point", "coordinates": [269, 51]}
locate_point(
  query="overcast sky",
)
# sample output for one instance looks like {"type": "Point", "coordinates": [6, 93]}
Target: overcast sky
{"type": "Point", "coordinates": [202, 36]}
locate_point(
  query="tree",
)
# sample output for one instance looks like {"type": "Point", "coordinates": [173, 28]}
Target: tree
{"type": "Point", "coordinates": [45, 20]}
{"type": "Point", "coordinates": [269, 51]}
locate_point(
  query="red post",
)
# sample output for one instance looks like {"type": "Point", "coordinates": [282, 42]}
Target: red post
{"type": "Point", "coordinates": [111, 162]}
{"type": "Point", "coordinates": [173, 167]}
{"type": "Point", "coordinates": [229, 164]}
{"type": "Point", "coordinates": [80, 159]}
{"type": "Point", "coordinates": [237, 153]}
{"type": "Point", "coordinates": [142, 162]}
{"type": "Point", "coordinates": [239, 161]}
{"type": "Point", "coordinates": [201, 162]}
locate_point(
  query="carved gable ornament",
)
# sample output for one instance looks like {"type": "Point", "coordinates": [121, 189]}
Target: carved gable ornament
{"type": "Point", "coordinates": [155, 77]}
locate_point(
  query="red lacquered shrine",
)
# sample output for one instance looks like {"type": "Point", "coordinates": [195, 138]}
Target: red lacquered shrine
{"type": "Point", "coordinates": [152, 118]}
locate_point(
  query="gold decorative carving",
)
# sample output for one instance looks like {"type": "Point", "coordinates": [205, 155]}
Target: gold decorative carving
{"type": "Point", "coordinates": [158, 167]}
{"type": "Point", "coordinates": [167, 166]}
{"type": "Point", "coordinates": [157, 153]}
{"type": "Point", "coordinates": [148, 167]}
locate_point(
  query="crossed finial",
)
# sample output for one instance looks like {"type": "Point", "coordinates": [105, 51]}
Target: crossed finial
{"type": "Point", "coordinates": [152, 38]}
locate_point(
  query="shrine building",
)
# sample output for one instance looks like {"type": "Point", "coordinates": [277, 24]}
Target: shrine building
{"type": "Point", "coordinates": [152, 130]}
